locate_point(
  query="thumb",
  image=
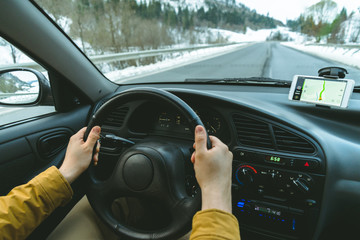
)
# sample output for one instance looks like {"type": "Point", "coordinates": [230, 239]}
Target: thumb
{"type": "Point", "coordinates": [200, 139]}
{"type": "Point", "coordinates": [94, 135]}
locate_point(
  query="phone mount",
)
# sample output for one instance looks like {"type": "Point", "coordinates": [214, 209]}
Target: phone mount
{"type": "Point", "coordinates": [332, 72]}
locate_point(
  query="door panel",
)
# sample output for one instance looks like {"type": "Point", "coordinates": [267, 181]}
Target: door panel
{"type": "Point", "coordinates": [17, 160]}
{"type": "Point", "coordinates": [31, 147]}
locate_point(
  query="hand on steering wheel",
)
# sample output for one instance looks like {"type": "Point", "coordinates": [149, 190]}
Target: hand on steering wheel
{"type": "Point", "coordinates": [151, 170]}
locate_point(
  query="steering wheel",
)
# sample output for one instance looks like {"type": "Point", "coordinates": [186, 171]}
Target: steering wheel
{"type": "Point", "coordinates": [151, 170]}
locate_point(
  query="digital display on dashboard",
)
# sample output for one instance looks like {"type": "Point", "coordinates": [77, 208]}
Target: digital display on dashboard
{"type": "Point", "coordinates": [275, 159]}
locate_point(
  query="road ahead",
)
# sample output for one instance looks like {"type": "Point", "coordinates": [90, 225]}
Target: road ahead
{"type": "Point", "coordinates": [267, 59]}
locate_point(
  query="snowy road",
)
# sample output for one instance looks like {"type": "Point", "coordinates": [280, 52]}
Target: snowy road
{"type": "Point", "coordinates": [267, 59]}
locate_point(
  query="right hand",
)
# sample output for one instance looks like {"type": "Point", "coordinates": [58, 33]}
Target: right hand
{"type": "Point", "coordinates": [213, 169]}
{"type": "Point", "coordinates": [79, 153]}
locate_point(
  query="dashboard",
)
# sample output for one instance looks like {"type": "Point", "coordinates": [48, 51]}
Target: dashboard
{"type": "Point", "coordinates": [293, 168]}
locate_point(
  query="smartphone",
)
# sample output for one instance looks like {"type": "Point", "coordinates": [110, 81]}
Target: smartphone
{"type": "Point", "coordinates": [321, 91]}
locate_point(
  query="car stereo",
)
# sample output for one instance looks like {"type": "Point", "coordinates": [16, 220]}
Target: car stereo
{"type": "Point", "coordinates": [277, 195]}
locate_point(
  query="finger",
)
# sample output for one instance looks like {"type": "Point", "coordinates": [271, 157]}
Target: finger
{"type": "Point", "coordinates": [94, 135]}
{"type": "Point", "coordinates": [192, 158]}
{"type": "Point", "coordinates": [96, 155]}
{"type": "Point", "coordinates": [215, 141]}
{"type": "Point", "coordinates": [80, 133]}
{"type": "Point", "coordinates": [96, 159]}
{"type": "Point", "coordinates": [200, 139]}
{"type": "Point", "coordinates": [98, 146]}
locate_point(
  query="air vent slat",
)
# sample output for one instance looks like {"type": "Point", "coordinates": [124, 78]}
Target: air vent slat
{"type": "Point", "coordinates": [252, 132]}
{"type": "Point", "coordinates": [287, 141]}
{"type": "Point", "coordinates": [256, 133]}
{"type": "Point", "coordinates": [116, 117]}
{"type": "Point", "coordinates": [245, 132]}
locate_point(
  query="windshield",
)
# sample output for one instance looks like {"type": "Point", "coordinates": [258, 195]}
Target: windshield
{"type": "Point", "coordinates": [136, 41]}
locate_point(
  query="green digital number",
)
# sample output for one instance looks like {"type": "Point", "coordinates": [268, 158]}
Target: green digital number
{"type": "Point", "coordinates": [275, 159]}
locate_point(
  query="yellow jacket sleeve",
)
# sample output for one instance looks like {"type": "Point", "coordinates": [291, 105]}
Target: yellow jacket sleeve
{"type": "Point", "coordinates": [216, 225]}
{"type": "Point", "coordinates": [26, 206]}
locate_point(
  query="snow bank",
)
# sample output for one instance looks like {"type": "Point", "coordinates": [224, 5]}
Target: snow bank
{"type": "Point", "coordinates": [348, 56]}
{"type": "Point", "coordinates": [177, 60]}
{"type": "Point", "coordinates": [259, 35]}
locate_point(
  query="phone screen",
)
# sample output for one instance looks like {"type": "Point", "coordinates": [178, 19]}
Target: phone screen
{"type": "Point", "coordinates": [320, 90]}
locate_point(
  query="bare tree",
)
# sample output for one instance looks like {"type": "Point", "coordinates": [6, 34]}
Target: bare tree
{"type": "Point", "coordinates": [14, 53]}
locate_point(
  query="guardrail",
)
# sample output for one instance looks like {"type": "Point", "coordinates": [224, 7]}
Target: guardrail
{"type": "Point", "coordinates": [350, 46]}
{"type": "Point", "coordinates": [124, 56]}
{"type": "Point", "coordinates": [6, 95]}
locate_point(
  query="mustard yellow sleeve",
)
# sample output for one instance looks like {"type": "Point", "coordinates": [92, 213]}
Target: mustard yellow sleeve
{"type": "Point", "coordinates": [26, 206]}
{"type": "Point", "coordinates": [216, 225]}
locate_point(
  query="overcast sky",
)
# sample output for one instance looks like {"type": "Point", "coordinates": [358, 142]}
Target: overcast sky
{"type": "Point", "coordinates": [291, 9]}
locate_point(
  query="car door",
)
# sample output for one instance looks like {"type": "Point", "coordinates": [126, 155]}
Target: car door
{"type": "Point", "coordinates": [35, 134]}
{"type": "Point", "coordinates": [30, 147]}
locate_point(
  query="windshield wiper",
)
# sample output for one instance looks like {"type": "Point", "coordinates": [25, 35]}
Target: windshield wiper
{"type": "Point", "coordinates": [242, 81]}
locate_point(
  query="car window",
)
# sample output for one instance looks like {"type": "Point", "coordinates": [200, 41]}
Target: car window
{"type": "Point", "coordinates": [137, 41]}
{"type": "Point", "coordinates": [19, 89]}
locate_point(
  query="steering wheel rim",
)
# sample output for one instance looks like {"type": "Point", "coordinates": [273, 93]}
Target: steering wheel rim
{"type": "Point", "coordinates": [152, 160]}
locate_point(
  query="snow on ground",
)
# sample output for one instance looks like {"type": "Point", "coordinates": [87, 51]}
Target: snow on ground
{"type": "Point", "coordinates": [177, 60]}
{"type": "Point", "coordinates": [259, 35]}
{"type": "Point", "coordinates": [348, 56]}
{"type": "Point", "coordinates": [250, 35]}
{"type": "Point", "coordinates": [180, 59]}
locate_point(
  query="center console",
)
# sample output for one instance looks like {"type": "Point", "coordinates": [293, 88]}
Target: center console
{"type": "Point", "coordinates": [277, 195]}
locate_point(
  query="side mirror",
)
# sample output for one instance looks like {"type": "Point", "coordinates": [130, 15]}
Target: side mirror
{"type": "Point", "coordinates": [19, 86]}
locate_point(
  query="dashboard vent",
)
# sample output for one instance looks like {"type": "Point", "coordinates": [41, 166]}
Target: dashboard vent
{"type": "Point", "coordinates": [287, 141]}
{"type": "Point", "coordinates": [116, 117]}
{"type": "Point", "coordinates": [260, 134]}
{"type": "Point", "coordinates": [252, 132]}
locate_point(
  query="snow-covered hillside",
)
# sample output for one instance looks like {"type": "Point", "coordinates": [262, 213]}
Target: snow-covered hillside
{"type": "Point", "coordinates": [351, 28]}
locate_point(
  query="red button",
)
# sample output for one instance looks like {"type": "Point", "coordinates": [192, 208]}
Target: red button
{"type": "Point", "coordinates": [306, 164]}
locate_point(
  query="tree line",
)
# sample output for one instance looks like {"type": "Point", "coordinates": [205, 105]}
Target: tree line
{"type": "Point", "coordinates": [121, 25]}
{"type": "Point", "coordinates": [319, 23]}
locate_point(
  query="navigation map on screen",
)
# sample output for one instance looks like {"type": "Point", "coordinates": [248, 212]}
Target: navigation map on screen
{"type": "Point", "coordinates": [320, 91]}
{"type": "Point", "coordinates": [323, 91]}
